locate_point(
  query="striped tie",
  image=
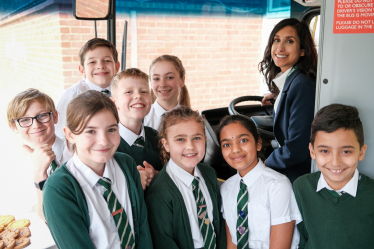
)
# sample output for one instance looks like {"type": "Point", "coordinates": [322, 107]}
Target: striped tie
{"type": "Point", "coordinates": [242, 221]}
{"type": "Point", "coordinates": [206, 227]}
{"type": "Point", "coordinates": [107, 92]}
{"type": "Point", "coordinates": [139, 142]}
{"type": "Point", "coordinates": [53, 167]}
{"type": "Point", "coordinates": [119, 216]}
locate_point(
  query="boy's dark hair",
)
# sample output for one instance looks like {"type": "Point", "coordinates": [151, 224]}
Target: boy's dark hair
{"type": "Point", "coordinates": [335, 116]}
{"type": "Point", "coordinates": [94, 43]}
{"type": "Point", "coordinates": [246, 122]}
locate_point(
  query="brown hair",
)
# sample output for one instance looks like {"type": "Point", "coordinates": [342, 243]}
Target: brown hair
{"type": "Point", "coordinates": [17, 107]}
{"type": "Point", "coordinates": [83, 107]}
{"type": "Point", "coordinates": [335, 116]}
{"type": "Point", "coordinates": [184, 97]}
{"type": "Point", "coordinates": [130, 72]}
{"type": "Point", "coordinates": [175, 116]}
{"type": "Point", "coordinates": [307, 64]}
{"type": "Point", "coordinates": [94, 43]}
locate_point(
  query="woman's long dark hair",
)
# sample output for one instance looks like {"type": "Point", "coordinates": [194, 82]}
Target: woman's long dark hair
{"type": "Point", "coordinates": [307, 64]}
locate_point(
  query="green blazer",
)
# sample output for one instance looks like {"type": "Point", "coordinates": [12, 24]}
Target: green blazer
{"type": "Point", "coordinates": [149, 153]}
{"type": "Point", "coordinates": [65, 207]}
{"type": "Point", "coordinates": [168, 218]}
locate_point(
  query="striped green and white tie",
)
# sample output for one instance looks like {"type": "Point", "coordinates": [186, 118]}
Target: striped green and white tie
{"type": "Point", "coordinates": [53, 167]}
{"type": "Point", "coordinates": [206, 227]}
{"type": "Point", "coordinates": [242, 231]}
{"type": "Point", "coordinates": [139, 142]}
{"type": "Point", "coordinates": [119, 215]}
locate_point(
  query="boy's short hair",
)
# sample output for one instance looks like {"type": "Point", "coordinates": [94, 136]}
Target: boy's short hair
{"type": "Point", "coordinates": [335, 116]}
{"type": "Point", "coordinates": [17, 107]}
{"type": "Point", "coordinates": [130, 72]}
{"type": "Point", "coordinates": [94, 43]}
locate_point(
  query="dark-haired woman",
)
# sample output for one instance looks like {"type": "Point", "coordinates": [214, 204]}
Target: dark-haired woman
{"type": "Point", "coordinates": [289, 66]}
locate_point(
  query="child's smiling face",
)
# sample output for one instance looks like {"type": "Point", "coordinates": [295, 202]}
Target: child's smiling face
{"type": "Point", "coordinates": [38, 133]}
{"type": "Point", "coordinates": [166, 82]}
{"type": "Point", "coordinates": [239, 147]}
{"type": "Point", "coordinates": [132, 98]}
{"type": "Point", "coordinates": [99, 66]}
{"type": "Point", "coordinates": [337, 155]}
{"type": "Point", "coordinates": [186, 144]}
{"type": "Point", "coordinates": [98, 142]}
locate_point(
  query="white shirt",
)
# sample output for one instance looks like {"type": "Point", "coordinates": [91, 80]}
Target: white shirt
{"type": "Point", "coordinates": [61, 151]}
{"type": "Point", "coordinates": [271, 202]}
{"type": "Point", "coordinates": [279, 81]}
{"type": "Point", "coordinates": [153, 118]}
{"type": "Point", "coordinates": [350, 187]}
{"type": "Point", "coordinates": [103, 229]}
{"type": "Point", "coordinates": [183, 180]}
{"type": "Point", "coordinates": [82, 86]}
{"type": "Point", "coordinates": [129, 136]}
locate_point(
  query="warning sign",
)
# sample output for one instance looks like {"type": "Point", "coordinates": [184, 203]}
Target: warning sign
{"type": "Point", "coordinates": [354, 16]}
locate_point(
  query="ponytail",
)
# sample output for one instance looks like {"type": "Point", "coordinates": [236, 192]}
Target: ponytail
{"type": "Point", "coordinates": [184, 97]}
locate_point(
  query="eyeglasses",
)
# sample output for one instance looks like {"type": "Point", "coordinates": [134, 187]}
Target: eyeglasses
{"type": "Point", "coordinates": [28, 121]}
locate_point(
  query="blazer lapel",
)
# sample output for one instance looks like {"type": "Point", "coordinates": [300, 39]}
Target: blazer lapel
{"type": "Point", "coordinates": [286, 87]}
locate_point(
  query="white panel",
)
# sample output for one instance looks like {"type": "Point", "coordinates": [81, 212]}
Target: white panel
{"type": "Point", "coordinates": [347, 62]}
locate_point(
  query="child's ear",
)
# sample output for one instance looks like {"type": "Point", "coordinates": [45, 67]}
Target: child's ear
{"type": "Point", "coordinates": [117, 66]}
{"type": "Point", "coordinates": [182, 84]}
{"type": "Point", "coordinates": [362, 152]}
{"type": "Point", "coordinates": [82, 70]}
{"type": "Point", "coordinates": [311, 149]}
{"type": "Point", "coordinates": [165, 144]}
{"type": "Point", "coordinates": [114, 101]}
{"type": "Point", "coordinates": [259, 144]}
{"type": "Point", "coordinates": [55, 116]}
{"type": "Point", "coordinates": [69, 135]}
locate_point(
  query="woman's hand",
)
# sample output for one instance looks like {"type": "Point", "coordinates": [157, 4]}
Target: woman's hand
{"type": "Point", "coordinates": [267, 98]}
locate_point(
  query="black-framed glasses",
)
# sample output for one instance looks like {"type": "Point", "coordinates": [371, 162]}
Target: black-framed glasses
{"type": "Point", "coordinates": [28, 121]}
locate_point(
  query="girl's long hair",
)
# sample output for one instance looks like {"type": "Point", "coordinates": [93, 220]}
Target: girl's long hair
{"type": "Point", "coordinates": [307, 64]}
{"type": "Point", "coordinates": [184, 96]}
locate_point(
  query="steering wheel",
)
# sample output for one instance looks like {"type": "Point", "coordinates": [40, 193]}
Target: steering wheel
{"type": "Point", "coordinates": [264, 124]}
{"type": "Point", "coordinates": [232, 109]}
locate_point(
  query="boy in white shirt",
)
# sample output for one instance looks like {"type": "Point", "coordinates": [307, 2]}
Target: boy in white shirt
{"type": "Point", "coordinates": [32, 115]}
{"type": "Point", "coordinates": [98, 65]}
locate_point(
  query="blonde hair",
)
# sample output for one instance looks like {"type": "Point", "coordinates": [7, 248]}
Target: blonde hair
{"type": "Point", "coordinates": [130, 72]}
{"type": "Point", "coordinates": [17, 107]}
{"type": "Point", "coordinates": [175, 116]}
{"type": "Point", "coordinates": [184, 97]}
{"type": "Point", "coordinates": [83, 107]}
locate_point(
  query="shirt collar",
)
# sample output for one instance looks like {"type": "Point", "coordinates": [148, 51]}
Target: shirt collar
{"type": "Point", "coordinates": [350, 187]}
{"type": "Point", "coordinates": [58, 148]}
{"type": "Point", "coordinates": [92, 86]}
{"type": "Point", "coordinates": [159, 110]}
{"type": "Point", "coordinates": [252, 176]}
{"type": "Point", "coordinates": [129, 136]}
{"type": "Point", "coordinates": [183, 176]}
{"type": "Point", "coordinates": [91, 177]}
{"type": "Point", "coordinates": [280, 79]}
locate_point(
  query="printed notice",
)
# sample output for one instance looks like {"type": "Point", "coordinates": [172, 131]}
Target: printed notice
{"type": "Point", "coordinates": [354, 16]}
